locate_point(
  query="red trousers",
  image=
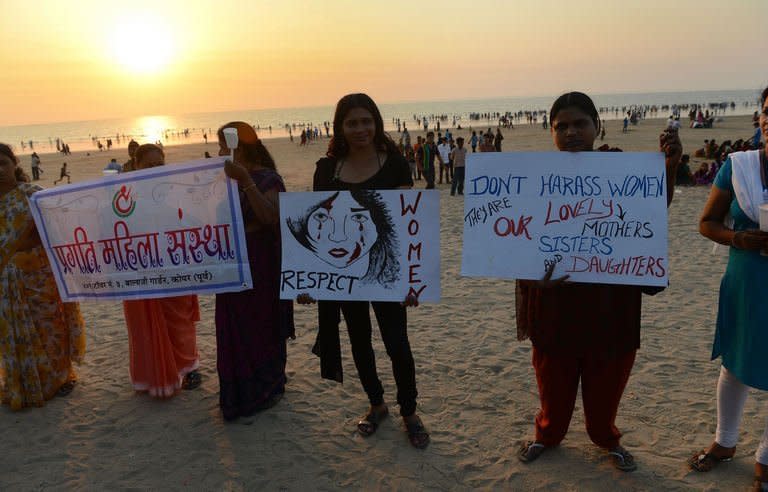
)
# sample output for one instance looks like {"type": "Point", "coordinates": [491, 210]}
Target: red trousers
{"type": "Point", "coordinates": [602, 383]}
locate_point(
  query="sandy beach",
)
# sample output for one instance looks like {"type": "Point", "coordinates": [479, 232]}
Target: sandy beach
{"type": "Point", "coordinates": [477, 390]}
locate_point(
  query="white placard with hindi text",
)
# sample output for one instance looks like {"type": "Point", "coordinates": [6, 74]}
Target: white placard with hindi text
{"type": "Point", "coordinates": [601, 217]}
{"type": "Point", "coordinates": [167, 231]}
{"type": "Point", "coordinates": [363, 245]}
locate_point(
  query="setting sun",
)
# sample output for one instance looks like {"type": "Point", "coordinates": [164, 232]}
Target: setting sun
{"type": "Point", "coordinates": [142, 44]}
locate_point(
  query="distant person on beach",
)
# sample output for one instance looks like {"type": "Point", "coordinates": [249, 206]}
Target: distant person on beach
{"type": "Point", "coordinates": [114, 166]}
{"type": "Point", "coordinates": [579, 331]}
{"type": "Point", "coordinates": [425, 160]}
{"type": "Point", "coordinates": [497, 140]}
{"type": "Point", "coordinates": [35, 164]}
{"type": "Point", "coordinates": [703, 176]}
{"type": "Point", "coordinates": [63, 174]}
{"type": "Point", "coordinates": [459, 158]}
{"type": "Point", "coordinates": [444, 148]}
{"type": "Point", "coordinates": [756, 136]}
{"type": "Point", "coordinates": [741, 338]}
{"type": "Point", "coordinates": [473, 140]}
{"type": "Point", "coordinates": [162, 343]}
{"type": "Point", "coordinates": [487, 144]}
{"type": "Point", "coordinates": [410, 156]}
{"type": "Point", "coordinates": [132, 146]}
{"type": "Point", "coordinates": [625, 128]}
{"type": "Point", "coordinates": [40, 336]}
{"type": "Point", "coordinates": [362, 157]}
{"type": "Point", "coordinates": [419, 143]}
{"type": "Point", "coordinates": [252, 326]}
{"type": "Point", "coordinates": [684, 176]}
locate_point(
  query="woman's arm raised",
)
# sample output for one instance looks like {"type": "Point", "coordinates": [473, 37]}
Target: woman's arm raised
{"type": "Point", "coordinates": [264, 205]}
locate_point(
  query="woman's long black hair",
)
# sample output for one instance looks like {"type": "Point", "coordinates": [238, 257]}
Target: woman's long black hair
{"type": "Point", "coordinates": [338, 147]}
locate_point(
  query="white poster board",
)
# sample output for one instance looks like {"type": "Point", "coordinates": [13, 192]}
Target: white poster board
{"type": "Point", "coordinates": [160, 232]}
{"type": "Point", "coordinates": [601, 217]}
{"type": "Point", "coordinates": [365, 245]}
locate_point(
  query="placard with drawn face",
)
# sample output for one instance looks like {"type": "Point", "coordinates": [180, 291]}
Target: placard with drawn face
{"type": "Point", "coordinates": [360, 245]}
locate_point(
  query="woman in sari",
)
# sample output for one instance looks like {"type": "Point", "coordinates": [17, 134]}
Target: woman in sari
{"type": "Point", "coordinates": [252, 326]}
{"type": "Point", "coordinates": [161, 332]}
{"type": "Point", "coordinates": [40, 336]}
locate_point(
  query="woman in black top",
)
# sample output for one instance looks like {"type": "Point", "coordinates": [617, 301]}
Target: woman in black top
{"type": "Point", "coordinates": [362, 157]}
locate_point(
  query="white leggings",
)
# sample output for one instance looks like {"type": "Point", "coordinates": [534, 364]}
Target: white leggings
{"type": "Point", "coordinates": [731, 396]}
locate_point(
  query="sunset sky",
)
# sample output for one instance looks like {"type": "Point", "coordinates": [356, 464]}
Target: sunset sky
{"type": "Point", "coordinates": [86, 59]}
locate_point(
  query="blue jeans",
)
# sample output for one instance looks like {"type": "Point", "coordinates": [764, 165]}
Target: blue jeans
{"type": "Point", "coordinates": [458, 180]}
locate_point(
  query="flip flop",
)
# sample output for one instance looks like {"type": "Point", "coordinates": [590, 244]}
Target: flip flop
{"type": "Point", "coordinates": [530, 450]}
{"type": "Point", "coordinates": [704, 461]}
{"type": "Point", "coordinates": [417, 434]}
{"type": "Point", "coordinates": [369, 422]}
{"type": "Point", "coordinates": [622, 459]}
{"type": "Point", "coordinates": [192, 380]}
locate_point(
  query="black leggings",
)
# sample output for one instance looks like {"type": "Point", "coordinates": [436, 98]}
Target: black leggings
{"type": "Point", "coordinates": [393, 325]}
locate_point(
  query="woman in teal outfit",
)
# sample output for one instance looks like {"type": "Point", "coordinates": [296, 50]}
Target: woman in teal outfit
{"type": "Point", "coordinates": [741, 339]}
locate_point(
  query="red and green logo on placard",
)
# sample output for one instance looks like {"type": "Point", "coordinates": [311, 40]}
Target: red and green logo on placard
{"type": "Point", "coordinates": [122, 203]}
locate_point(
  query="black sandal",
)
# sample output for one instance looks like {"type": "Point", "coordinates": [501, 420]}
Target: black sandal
{"type": "Point", "coordinates": [417, 434]}
{"type": "Point", "coordinates": [192, 380]}
{"type": "Point", "coordinates": [66, 388]}
{"type": "Point", "coordinates": [704, 461]}
{"type": "Point", "coordinates": [368, 424]}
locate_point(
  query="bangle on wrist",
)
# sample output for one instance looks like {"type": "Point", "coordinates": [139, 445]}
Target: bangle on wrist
{"type": "Point", "coordinates": [733, 240]}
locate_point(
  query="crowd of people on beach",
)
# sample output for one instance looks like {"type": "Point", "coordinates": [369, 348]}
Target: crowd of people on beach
{"type": "Point", "coordinates": [582, 334]}
{"type": "Point", "coordinates": [698, 113]}
{"type": "Point", "coordinates": [707, 171]}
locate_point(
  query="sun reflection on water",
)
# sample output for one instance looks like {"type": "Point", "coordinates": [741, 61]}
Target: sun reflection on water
{"type": "Point", "coordinates": [153, 128]}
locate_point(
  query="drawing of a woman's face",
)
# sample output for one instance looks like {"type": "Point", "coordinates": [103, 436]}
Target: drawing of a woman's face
{"type": "Point", "coordinates": [341, 231]}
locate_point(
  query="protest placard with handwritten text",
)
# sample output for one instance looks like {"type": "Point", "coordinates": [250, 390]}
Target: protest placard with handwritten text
{"type": "Point", "coordinates": [600, 217]}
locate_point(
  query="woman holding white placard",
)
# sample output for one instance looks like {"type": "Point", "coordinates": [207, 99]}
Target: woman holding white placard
{"type": "Point", "coordinates": [362, 157]}
{"type": "Point", "coordinates": [582, 332]}
{"type": "Point", "coordinates": [162, 342]}
{"type": "Point", "coordinates": [253, 326]}
{"type": "Point", "coordinates": [740, 191]}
